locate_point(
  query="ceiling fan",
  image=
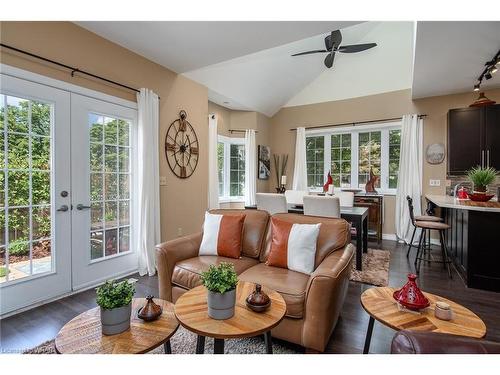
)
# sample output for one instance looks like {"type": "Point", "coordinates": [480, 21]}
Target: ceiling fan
{"type": "Point", "coordinates": [332, 45]}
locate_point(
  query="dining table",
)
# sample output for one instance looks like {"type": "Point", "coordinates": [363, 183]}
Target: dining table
{"type": "Point", "coordinates": [357, 216]}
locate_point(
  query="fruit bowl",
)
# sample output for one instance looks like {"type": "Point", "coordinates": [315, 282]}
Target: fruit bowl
{"type": "Point", "coordinates": [480, 197]}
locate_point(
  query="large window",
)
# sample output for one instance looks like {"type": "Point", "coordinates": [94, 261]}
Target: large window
{"type": "Point", "coordinates": [350, 153]}
{"type": "Point", "coordinates": [231, 168]}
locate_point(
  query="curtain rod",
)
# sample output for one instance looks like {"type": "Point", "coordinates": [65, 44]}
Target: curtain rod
{"type": "Point", "coordinates": [239, 131]}
{"type": "Point", "coordinates": [355, 123]}
{"type": "Point", "coordinates": [73, 69]}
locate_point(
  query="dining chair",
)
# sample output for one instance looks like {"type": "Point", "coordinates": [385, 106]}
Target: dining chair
{"type": "Point", "coordinates": [346, 198]}
{"type": "Point", "coordinates": [327, 206]}
{"type": "Point", "coordinates": [271, 202]}
{"type": "Point", "coordinates": [295, 196]}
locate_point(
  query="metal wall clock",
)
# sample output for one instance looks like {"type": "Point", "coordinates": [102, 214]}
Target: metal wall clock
{"type": "Point", "coordinates": [181, 147]}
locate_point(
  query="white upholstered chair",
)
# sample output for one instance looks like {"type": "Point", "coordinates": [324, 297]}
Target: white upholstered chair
{"type": "Point", "coordinates": [346, 198]}
{"type": "Point", "coordinates": [295, 196]}
{"type": "Point", "coordinates": [327, 206]}
{"type": "Point", "coordinates": [272, 203]}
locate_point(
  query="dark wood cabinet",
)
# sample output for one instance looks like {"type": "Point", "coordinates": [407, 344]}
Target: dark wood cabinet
{"type": "Point", "coordinates": [374, 204]}
{"type": "Point", "coordinates": [473, 135]}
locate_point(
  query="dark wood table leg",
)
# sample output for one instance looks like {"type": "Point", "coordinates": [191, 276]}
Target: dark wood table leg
{"type": "Point", "coordinates": [200, 345]}
{"type": "Point", "coordinates": [359, 245]}
{"type": "Point", "coordinates": [167, 347]}
{"type": "Point", "coordinates": [365, 234]}
{"type": "Point", "coordinates": [218, 346]}
{"type": "Point", "coordinates": [368, 338]}
{"type": "Point", "coordinates": [269, 342]}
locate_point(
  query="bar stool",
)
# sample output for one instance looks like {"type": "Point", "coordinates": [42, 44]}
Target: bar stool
{"type": "Point", "coordinates": [414, 219]}
{"type": "Point", "coordinates": [426, 227]}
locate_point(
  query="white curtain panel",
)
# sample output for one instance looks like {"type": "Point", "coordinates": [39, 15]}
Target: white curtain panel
{"type": "Point", "coordinates": [148, 225]}
{"type": "Point", "coordinates": [300, 166]}
{"type": "Point", "coordinates": [250, 167]}
{"type": "Point", "coordinates": [410, 174]}
{"type": "Point", "coordinates": [213, 173]}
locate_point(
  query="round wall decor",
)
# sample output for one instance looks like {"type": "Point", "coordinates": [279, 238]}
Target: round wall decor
{"type": "Point", "coordinates": [435, 153]}
{"type": "Point", "coordinates": [181, 147]}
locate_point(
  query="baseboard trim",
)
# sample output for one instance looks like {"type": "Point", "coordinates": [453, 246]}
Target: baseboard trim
{"type": "Point", "coordinates": [74, 291]}
{"type": "Point", "coordinates": [393, 237]}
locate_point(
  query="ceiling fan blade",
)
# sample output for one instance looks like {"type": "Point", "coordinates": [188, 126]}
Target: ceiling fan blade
{"type": "Point", "coordinates": [356, 47]}
{"type": "Point", "coordinates": [334, 39]}
{"type": "Point", "coordinates": [329, 59]}
{"type": "Point", "coordinates": [309, 52]}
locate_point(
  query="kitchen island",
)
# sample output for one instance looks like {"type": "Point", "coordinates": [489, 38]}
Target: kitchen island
{"type": "Point", "coordinates": [473, 241]}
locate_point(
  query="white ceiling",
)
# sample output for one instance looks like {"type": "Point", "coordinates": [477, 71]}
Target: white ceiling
{"type": "Point", "coordinates": [248, 65]}
{"type": "Point", "coordinates": [185, 45]}
{"type": "Point", "coordinates": [449, 56]}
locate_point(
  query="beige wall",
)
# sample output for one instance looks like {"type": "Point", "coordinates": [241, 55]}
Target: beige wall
{"type": "Point", "coordinates": [387, 105]}
{"type": "Point", "coordinates": [182, 201]}
{"type": "Point", "coordinates": [242, 120]}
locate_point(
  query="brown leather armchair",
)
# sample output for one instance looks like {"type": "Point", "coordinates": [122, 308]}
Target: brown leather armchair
{"type": "Point", "coordinates": [414, 342]}
{"type": "Point", "coordinates": [313, 301]}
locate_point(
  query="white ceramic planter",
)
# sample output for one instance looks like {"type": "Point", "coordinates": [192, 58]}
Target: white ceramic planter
{"type": "Point", "coordinates": [221, 305]}
{"type": "Point", "coordinates": [115, 321]}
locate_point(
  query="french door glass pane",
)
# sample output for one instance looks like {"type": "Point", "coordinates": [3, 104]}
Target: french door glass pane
{"type": "Point", "coordinates": [394, 151]}
{"type": "Point", "coordinates": [340, 166]}
{"type": "Point", "coordinates": [109, 180]}
{"type": "Point", "coordinates": [369, 156]}
{"type": "Point", "coordinates": [315, 152]}
{"type": "Point", "coordinates": [25, 188]}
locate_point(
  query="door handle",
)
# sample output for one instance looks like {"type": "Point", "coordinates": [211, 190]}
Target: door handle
{"type": "Point", "coordinates": [487, 158]}
{"type": "Point", "coordinates": [63, 208]}
{"type": "Point", "coordinates": [81, 207]}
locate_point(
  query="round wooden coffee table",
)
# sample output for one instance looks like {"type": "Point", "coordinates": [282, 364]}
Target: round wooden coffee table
{"type": "Point", "coordinates": [380, 305]}
{"type": "Point", "coordinates": [192, 312]}
{"type": "Point", "coordinates": [82, 334]}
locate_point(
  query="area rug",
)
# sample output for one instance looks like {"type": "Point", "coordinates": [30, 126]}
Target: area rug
{"type": "Point", "coordinates": [184, 342]}
{"type": "Point", "coordinates": [375, 268]}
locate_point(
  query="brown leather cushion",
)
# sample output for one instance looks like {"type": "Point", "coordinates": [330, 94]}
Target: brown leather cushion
{"type": "Point", "coordinates": [428, 218]}
{"type": "Point", "coordinates": [254, 229]}
{"type": "Point", "coordinates": [432, 225]}
{"type": "Point", "coordinates": [334, 234]}
{"type": "Point", "coordinates": [187, 273]}
{"type": "Point", "coordinates": [290, 284]}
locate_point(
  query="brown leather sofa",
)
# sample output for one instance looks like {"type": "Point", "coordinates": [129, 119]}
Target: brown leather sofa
{"type": "Point", "coordinates": [313, 301]}
{"type": "Point", "coordinates": [414, 342]}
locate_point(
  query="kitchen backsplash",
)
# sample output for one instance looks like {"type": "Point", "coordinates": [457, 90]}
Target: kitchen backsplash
{"type": "Point", "coordinates": [492, 188]}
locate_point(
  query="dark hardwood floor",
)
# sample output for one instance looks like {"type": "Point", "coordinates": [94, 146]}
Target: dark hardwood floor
{"type": "Point", "coordinates": [31, 328]}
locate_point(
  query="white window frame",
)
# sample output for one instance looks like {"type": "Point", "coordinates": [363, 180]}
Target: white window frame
{"type": "Point", "coordinates": [383, 127]}
{"type": "Point", "coordinates": [228, 141]}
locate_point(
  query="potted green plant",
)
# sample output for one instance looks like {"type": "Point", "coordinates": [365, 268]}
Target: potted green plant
{"type": "Point", "coordinates": [220, 282]}
{"type": "Point", "coordinates": [115, 301]}
{"type": "Point", "coordinates": [481, 178]}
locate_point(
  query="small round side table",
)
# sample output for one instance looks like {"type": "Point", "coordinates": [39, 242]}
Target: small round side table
{"type": "Point", "coordinates": [380, 305]}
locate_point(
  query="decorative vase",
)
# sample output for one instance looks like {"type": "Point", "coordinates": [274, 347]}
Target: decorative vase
{"type": "Point", "coordinates": [116, 320]}
{"type": "Point", "coordinates": [150, 311]}
{"type": "Point", "coordinates": [221, 305]}
{"type": "Point", "coordinates": [410, 295]}
{"type": "Point", "coordinates": [258, 301]}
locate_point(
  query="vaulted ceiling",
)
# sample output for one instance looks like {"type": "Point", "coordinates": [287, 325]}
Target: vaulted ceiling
{"type": "Point", "coordinates": [248, 65]}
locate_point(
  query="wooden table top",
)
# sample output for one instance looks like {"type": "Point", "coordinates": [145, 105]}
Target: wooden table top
{"type": "Point", "coordinates": [82, 334]}
{"type": "Point", "coordinates": [379, 303]}
{"type": "Point", "coordinates": [192, 312]}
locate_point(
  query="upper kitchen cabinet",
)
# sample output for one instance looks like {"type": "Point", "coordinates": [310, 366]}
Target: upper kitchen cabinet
{"type": "Point", "coordinates": [473, 137]}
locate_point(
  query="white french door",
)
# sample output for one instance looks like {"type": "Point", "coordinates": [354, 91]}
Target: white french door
{"type": "Point", "coordinates": [102, 172]}
{"type": "Point", "coordinates": [67, 207]}
{"type": "Point", "coordinates": [35, 233]}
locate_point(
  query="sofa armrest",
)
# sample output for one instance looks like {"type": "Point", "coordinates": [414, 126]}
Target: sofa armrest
{"type": "Point", "coordinates": [325, 294]}
{"type": "Point", "coordinates": [168, 254]}
{"type": "Point", "coordinates": [413, 342]}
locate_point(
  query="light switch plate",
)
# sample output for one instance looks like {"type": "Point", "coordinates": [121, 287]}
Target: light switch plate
{"type": "Point", "coordinates": [163, 180]}
{"type": "Point", "coordinates": [434, 182]}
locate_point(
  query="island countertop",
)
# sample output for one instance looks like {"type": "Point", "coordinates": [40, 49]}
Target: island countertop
{"type": "Point", "coordinates": [451, 202]}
